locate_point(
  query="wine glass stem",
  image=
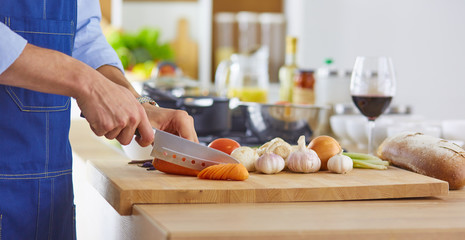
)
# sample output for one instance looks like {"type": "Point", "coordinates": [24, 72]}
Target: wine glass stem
{"type": "Point", "coordinates": [371, 126]}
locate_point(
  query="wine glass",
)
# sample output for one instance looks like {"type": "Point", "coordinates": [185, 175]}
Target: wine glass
{"type": "Point", "coordinates": [372, 87]}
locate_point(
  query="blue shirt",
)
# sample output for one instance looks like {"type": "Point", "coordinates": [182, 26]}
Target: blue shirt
{"type": "Point", "coordinates": [90, 45]}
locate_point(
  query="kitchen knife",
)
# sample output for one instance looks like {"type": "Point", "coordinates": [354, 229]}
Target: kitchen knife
{"type": "Point", "coordinates": [182, 152]}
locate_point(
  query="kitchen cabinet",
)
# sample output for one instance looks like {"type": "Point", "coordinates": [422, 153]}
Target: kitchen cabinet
{"type": "Point", "coordinates": [441, 217]}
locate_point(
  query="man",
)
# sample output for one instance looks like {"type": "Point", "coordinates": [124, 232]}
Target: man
{"type": "Point", "coordinates": [37, 78]}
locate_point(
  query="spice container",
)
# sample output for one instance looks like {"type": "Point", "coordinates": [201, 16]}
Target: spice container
{"type": "Point", "coordinates": [224, 27]}
{"type": "Point", "coordinates": [304, 87]}
{"type": "Point", "coordinates": [273, 32]}
{"type": "Point", "coordinates": [248, 31]}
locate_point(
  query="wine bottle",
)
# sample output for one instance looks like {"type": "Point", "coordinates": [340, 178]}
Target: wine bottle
{"type": "Point", "coordinates": [287, 71]}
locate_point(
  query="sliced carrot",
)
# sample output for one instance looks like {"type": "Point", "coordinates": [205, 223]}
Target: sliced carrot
{"type": "Point", "coordinates": [222, 172]}
{"type": "Point", "coordinates": [217, 173]}
{"type": "Point", "coordinates": [205, 174]}
{"type": "Point", "coordinates": [201, 174]}
{"type": "Point", "coordinates": [172, 168]}
{"type": "Point", "coordinates": [231, 171]}
{"type": "Point", "coordinates": [239, 173]}
{"type": "Point", "coordinates": [227, 171]}
{"type": "Point", "coordinates": [208, 172]}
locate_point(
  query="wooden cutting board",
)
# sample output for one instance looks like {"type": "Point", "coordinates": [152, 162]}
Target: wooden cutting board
{"type": "Point", "coordinates": [123, 185]}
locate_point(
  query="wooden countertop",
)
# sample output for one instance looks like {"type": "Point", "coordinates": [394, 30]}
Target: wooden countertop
{"type": "Point", "coordinates": [425, 218]}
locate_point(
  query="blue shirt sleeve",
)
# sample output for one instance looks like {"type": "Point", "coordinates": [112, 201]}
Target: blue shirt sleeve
{"type": "Point", "coordinates": [11, 46]}
{"type": "Point", "coordinates": [90, 45]}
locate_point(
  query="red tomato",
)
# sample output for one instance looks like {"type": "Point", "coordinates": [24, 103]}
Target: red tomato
{"type": "Point", "coordinates": [225, 145]}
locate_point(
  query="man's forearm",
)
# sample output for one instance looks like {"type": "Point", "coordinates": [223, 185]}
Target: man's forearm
{"type": "Point", "coordinates": [47, 71]}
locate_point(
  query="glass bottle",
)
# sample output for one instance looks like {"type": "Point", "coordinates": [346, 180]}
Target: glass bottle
{"type": "Point", "coordinates": [304, 87]}
{"type": "Point", "coordinates": [287, 71]}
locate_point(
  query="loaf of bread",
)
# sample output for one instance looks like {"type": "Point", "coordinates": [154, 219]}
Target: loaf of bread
{"type": "Point", "coordinates": [426, 155]}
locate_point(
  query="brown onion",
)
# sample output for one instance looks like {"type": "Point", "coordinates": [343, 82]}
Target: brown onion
{"type": "Point", "coordinates": [325, 147]}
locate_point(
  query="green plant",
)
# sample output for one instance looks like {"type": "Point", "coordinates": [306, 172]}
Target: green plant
{"type": "Point", "coordinates": [140, 47]}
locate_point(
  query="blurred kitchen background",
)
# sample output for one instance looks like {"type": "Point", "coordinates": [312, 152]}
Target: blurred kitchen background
{"type": "Point", "coordinates": [178, 45]}
{"type": "Point", "coordinates": [425, 38]}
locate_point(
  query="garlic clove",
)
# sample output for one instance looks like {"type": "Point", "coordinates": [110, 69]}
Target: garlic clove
{"type": "Point", "coordinates": [340, 164]}
{"type": "Point", "coordinates": [269, 163]}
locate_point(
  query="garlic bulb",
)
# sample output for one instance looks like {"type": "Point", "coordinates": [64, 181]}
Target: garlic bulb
{"type": "Point", "coordinates": [277, 146]}
{"type": "Point", "coordinates": [247, 156]}
{"type": "Point", "coordinates": [269, 163]}
{"type": "Point", "coordinates": [303, 160]}
{"type": "Point", "coordinates": [340, 164]}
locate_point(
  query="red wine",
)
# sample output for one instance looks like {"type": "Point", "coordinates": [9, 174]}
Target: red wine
{"type": "Point", "coordinates": [372, 106]}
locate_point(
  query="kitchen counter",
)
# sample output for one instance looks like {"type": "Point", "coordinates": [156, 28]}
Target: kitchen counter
{"type": "Point", "coordinates": [419, 218]}
{"type": "Point", "coordinates": [430, 218]}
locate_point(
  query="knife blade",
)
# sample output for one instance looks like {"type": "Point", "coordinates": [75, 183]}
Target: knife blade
{"type": "Point", "coordinates": [183, 152]}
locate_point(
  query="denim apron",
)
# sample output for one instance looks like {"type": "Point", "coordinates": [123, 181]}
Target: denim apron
{"type": "Point", "coordinates": [36, 191]}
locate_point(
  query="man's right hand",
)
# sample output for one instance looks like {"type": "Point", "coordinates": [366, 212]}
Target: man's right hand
{"type": "Point", "coordinates": [113, 111]}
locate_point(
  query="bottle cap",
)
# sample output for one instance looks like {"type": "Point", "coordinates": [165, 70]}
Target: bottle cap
{"type": "Point", "coordinates": [291, 44]}
{"type": "Point", "coordinates": [225, 17]}
{"type": "Point", "coordinates": [247, 17]}
{"type": "Point", "coordinates": [271, 18]}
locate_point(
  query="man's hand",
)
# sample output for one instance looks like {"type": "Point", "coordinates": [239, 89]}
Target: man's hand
{"type": "Point", "coordinates": [116, 114]}
{"type": "Point", "coordinates": [173, 121]}
{"type": "Point", "coordinates": [177, 122]}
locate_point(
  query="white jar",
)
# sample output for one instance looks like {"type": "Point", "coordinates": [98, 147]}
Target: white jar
{"type": "Point", "coordinates": [332, 87]}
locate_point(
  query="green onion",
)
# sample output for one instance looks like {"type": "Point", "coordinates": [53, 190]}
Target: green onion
{"type": "Point", "coordinates": [364, 164]}
{"type": "Point", "coordinates": [362, 160]}
{"type": "Point", "coordinates": [360, 156]}
{"type": "Point", "coordinates": [374, 161]}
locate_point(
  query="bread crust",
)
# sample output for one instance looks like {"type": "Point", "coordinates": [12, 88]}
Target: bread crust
{"type": "Point", "coordinates": [426, 155]}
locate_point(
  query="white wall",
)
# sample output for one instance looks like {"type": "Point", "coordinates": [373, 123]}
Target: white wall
{"type": "Point", "coordinates": [162, 15]}
{"type": "Point", "coordinates": [425, 38]}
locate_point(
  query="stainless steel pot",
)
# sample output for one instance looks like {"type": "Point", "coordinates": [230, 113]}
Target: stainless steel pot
{"type": "Point", "coordinates": [212, 115]}
{"type": "Point", "coordinates": [289, 122]}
